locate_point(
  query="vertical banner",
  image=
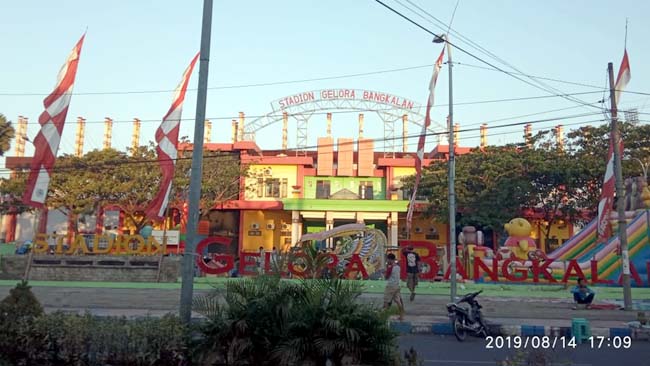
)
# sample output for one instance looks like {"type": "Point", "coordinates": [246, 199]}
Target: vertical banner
{"type": "Point", "coordinates": [422, 139]}
{"type": "Point", "coordinates": [167, 139]}
{"type": "Point", "coordinates": [52, 121]}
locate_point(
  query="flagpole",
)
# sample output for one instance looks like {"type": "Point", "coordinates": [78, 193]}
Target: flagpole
{"type": "Point", "coordinates": [187, 284]}
{"type": "Point", "coordinates": [620, 201]}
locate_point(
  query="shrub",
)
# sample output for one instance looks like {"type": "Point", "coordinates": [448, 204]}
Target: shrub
{"type": "Point", "coordinates": [17, 310]}
{"type": "Point", "coordinates": [67, 339]}
{"type": "Point", "coordinates": [267, 321]}
{"type": "Point", "coordinates": [20, 303]}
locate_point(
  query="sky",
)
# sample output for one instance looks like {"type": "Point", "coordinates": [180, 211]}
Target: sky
{"type": "Point", "coordinates": [136, 51]}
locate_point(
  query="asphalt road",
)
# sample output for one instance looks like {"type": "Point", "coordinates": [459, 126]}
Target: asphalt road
{"type": "Point", "coordinates": [447, 351]}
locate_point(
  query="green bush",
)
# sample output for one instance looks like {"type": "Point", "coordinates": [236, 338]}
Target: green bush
{"type": "Point", "coordinates": [267, 321]}
{"type": "Point", "coordinates": [67, 339]}
{"type": "Point", "coordinates": [20, 303]}
{"type": "Point", "coordinates": [17, 311]}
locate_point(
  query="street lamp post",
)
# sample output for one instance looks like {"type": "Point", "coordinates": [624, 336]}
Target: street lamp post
{"type": "Point", "coordinates": [451, 175]}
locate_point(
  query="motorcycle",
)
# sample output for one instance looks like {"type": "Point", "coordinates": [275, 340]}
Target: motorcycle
{"type": "Point", "coordinates": [464, 320]}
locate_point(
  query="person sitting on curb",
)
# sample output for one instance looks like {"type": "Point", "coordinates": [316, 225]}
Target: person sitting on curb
{"type": "Point", "coordinates": [392, 291]}
{"type": "Point", "coordinates": [582, 294]}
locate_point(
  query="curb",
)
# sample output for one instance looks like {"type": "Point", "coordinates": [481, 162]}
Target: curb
{"type": "Point", "coordinates": [441, 328]}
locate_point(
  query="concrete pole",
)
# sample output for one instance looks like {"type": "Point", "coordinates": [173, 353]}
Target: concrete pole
{"type": "Point", "coordinates": [285, 130]}
{"type": "Point", "coordinates": [329, 124]}
{"type": "Point", "coordinates": [187, 285]}
{"type": "Point", "coordinates": [360, 126]}
{"type": "Point", "coordinates": [79, 139]}
{"type": "Point", "coordinates": [620, 201]}
{"type": "Point", "coordinates": [234, 131]}
{"type": "Point", "coordinates": [456, 133]}
{"type": "Point", "coordinates": [528, 135]}
{"type": "Point", "coordinates": [295, 227]}
{"type": "Point", "coordinates": [483, 135]}
{"type": "Point", "coordinates": [240, 127]}
{"type": "Point", "coordinates": [135, 139]}
{"type": "Point", "coordinates": [405, 145]}
{"type": "Point", "coordinates": [559, 137]}
{"type": "Point", "coordinates": [21, 133]}
{"type": "Point", "coordinates": [108, 132]}
{"type": "Point", "coordinates": [207, 132]}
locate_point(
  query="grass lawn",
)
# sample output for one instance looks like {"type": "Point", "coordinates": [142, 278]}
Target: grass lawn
{"type": "Point", "coordinates": [493, 290]}
{"type": "Point", "coordinates": [7, 249]}
{"type": "Point", "coordinates": [424, 288]}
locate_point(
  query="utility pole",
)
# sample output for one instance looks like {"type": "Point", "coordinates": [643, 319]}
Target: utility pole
{"type": "Point", "coordinates": [620, 201]}
{"type": "Point", "coordinates": [187, 285]}
{"type": "Point", "coordinates": [451, 176]}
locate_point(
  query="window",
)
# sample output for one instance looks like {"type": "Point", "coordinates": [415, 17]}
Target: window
{"type": "Point", "coordinates": [272, 187]}
{"type": "Point", "coordinates": [322, 189]}
{"type": "Point", "coordinates": [284, 188]}
{"type": "Point", "coordinates": [365, 190]}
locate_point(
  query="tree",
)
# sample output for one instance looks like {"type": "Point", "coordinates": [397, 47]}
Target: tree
{"type": "Point", "coordinates": [564, 186]}
{"type": "Point", "coordinates": [11, 194]}
{"type": "Point", "coordinates": [593, 141]}
{"type": "Point", "coordinates": [222, 174]}
{"type": "Point", "coordinates": [139, 180]}
{"type": "Point", "coordinates": [82, 185]}
{"type": "Point", "coordinates": [495, 184]}
{"type": "Point", "coordinates": [7, 133]}
{"type": "Point", "coordinates": [490, 187]}
{"type": "Point", "coordinates": [78, 183]}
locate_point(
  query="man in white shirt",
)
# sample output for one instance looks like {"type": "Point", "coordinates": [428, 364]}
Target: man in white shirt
{"type": "Point", "coordinates": [392, 291]}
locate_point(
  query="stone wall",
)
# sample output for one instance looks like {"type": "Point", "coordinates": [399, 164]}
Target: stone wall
{"type": "Point", "coordinates": [91, 268]}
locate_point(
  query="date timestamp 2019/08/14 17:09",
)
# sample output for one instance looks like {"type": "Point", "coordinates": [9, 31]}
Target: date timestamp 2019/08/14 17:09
{"type": "Point", "coordinates": [551, 342]}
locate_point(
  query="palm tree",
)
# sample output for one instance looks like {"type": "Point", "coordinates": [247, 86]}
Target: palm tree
{"type": "Point", "coordinates": [7, 133]}
{"type": "Point", "coordinates": [269, 321]}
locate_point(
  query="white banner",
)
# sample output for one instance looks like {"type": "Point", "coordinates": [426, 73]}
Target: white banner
{"type": "Point", "coordinates": [173, 236]}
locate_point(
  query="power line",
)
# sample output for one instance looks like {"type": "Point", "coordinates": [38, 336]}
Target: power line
{"type": "Point", "coordinates": [476, 102]}
{"type": "Point", "coordinates": [485, 51]}
{"type": "Point", "coordinates": [532, 76]}
{"type": "Point", "coordinates": [239, 86]}
{"type": "Point", "coordinates": [544, 88]}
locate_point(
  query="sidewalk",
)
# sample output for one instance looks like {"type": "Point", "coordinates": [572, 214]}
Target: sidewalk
{"type": "Point", "coordinates": [427, 314]}
{"type": "Point", "coordinates": [519, 316]}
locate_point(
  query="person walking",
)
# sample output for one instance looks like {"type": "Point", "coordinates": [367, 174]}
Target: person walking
{"type": "Point", "coordinates": [392, 291]}
{"type": "Point", "coordinates": [413, 264]}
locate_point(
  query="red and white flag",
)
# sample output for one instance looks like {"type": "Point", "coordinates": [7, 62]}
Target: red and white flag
{"type": "Point", "coordinates": [167, 139]}
{"type": "Point", "coordinates": [423, 136]}
{"type": "Point", "coordinates": [52, 120]}
{"type": "Point", "coordinates": [623, 77]}
{"type": "Point", "coordinates": [607, 193]}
